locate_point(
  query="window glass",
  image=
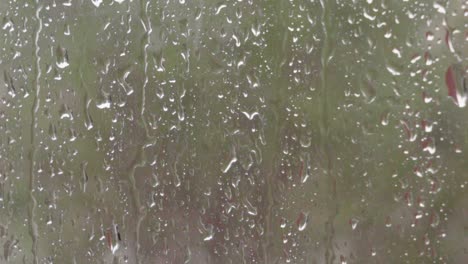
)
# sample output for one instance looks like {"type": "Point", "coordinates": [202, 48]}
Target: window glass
{"type": "Point", "coordinates": [233, 131]}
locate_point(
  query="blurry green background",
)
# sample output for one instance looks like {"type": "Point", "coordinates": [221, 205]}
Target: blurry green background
{"type": "Point", "coordinates": [240, 131]}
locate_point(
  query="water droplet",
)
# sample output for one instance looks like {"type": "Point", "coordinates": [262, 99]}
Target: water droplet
{"type": "Point", "coordinates": [232, 161]}
{"type": "Point", "coordinates": [188, 255]}
{"type": "Point", "coordinates": [439, 8]}
{"type": "Point", "coordinates": [457, 85]}
{"type": "Point", "coordinates": [384, 118]}
{"type": "Point", "coordinates": [388, 222]}
{"type": "Point", "coordinates": [428, 144]}
{"type": "Point", "coordinates": [104, 102]}
{"type": "Point", "coordinates": [368, 90]}
{"type": "Point", "coordinates": [429, 36]}
{"type": "Point", "coordinates": [434, 219]}
{"type": "Point", "coordinates": [395, 70]}
{"type": "Point", "coordinates": [251, 210]}
{"type": "Point", "coordinates": [250, 116]}
{"type": "Point", "coordinates": [96, 3]}
{"type": "Point", "coordinates": [62, 57]}
{"type": "Point", "coordinates": [52, 132]}
{"type": "Point", "coordinates": [220, 6]}
{"type": "Point", "coordinates": [302, 221]}
{"type": "Point", "coordinates": [353, 222]}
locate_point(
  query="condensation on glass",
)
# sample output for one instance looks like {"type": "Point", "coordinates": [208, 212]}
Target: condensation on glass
{"type": "Point", "coordinates": [233, 131]}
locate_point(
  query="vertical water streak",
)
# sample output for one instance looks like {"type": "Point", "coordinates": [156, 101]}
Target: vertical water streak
{"type": "Point", "coordinates": [145, 43]}
{"type": "Point", "coordinates": [329, 225]}
{"type": "Point", "coordinates": [32, 149]}
{"type": "Point", "coordinates": [140, 157]}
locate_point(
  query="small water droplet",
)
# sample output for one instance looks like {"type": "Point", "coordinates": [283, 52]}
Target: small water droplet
{"type": "Point", "coordinates": [52, 132]}
{"type": "Point", "coordinates": [384, 118]}
{"type": "Point", "coordinates": [368, 90]}
{"type": "Point", "coordinates": [354, 222]}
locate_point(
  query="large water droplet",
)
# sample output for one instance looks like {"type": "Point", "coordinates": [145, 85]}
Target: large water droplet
{"type": "Point", "coordinates": [457, 85]}
{"type": "Point", "coordinates": [62, 57]}
{"type": "Point", "coordinates": [302, 221]}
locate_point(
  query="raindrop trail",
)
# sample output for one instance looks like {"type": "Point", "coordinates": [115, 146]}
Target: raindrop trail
{"type": "Point", "coordinates": [139, 161]}
{"type": "Point", "coordinates": [32, 149]}
{"type": "Point", "coordinates": [269, 208]}
{"type": "Point", "coordinates": [325, 59]}
{"type": "Point", "coordinates": [83, 86]}
{"type": "Point", "coordinates": [140, 158]}
{"type": "Point", "coordinates": [145, 43]}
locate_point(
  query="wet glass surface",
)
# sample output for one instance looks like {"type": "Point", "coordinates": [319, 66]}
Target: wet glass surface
{"type": "Point", "coordinates": [240, 131]}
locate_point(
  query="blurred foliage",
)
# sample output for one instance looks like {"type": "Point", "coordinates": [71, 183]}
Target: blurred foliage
{"type": "Point", "coordinates": [233, 131]}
